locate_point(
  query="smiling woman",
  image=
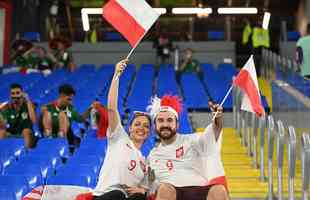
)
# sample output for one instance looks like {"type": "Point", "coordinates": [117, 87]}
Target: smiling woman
{"type": "Point", "coordinates": [129, 180]}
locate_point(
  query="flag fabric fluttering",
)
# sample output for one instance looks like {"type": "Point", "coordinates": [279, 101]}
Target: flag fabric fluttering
{"type": "Point", "coordinates": [56, 192]}
{"type": "Point", "coordinates": [132, 18]}
{"type": "Point", "coordinates": [246, 80]}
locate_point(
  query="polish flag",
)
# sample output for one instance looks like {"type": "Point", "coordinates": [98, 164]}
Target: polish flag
{"type": "Point", "coordinates": [132, 18]}
{"type": "Point", "coordinates": [246, 80]}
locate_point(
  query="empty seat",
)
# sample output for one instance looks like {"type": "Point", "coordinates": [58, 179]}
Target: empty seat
{"type": "Point", "coordinates": [59, 145]}
{"type": "Point", "coordinates": [7, 194]}
{"type": "Point", "coordinates": [76, 179]}
{"type": "Point", "coordinates": [49, 157]}
{"type": "Point", "coordinates": [17, 184]}
{"type": "Point", "coordinates": [87, 170]}
{"type": "Point", "coordinates": [30, 172]}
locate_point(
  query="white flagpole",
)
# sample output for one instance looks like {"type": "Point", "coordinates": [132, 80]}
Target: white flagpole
{"type": "Point", "coordinates": [223, 101]}
{"type": "Point", "coordinates": [130, 53]}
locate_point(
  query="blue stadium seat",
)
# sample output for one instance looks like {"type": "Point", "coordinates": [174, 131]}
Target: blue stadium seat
{"type": "Point", "coordinates": [113, 36]}
{"type": "Point", "coordinates": [92, 150]}
{"type": "Point", "coordinates": [193, 91]}
{"type": "Point", "coordinates": [91, 142]}
{"type": "Point", "coordinates": [215, 35]}
{"type": "Point", "coordinates": [6, 159]}
{"type": "Point", "coordinates": [94, 161]}
{"type": "Point", "coordinates": [59, 145]}
{"type": "Point", "coordinates": [167, 74]}
{"type": "Point", "coordinates": [76, 179]}
{"type": "Point", "coordinates": [44, 165]}
{"type": "Point", "coordinates": [49, 157]}
{"type": "Point", "coordinates": [88, 171]}
{"type": "Point", "coordinates": [14, 146]}
{"type": "Point", "coordinates": [32, 36]}
{"type": "Point", "coordinates": [7, 194]}
{"type": "Point", "coordinates": [31, 173]}
{"type": "Point", "coordinates": [141, 89]}
{"type": "Point", "coordinates": [17, 184]}
{"type": "Point", "coordinates": [293, 35]}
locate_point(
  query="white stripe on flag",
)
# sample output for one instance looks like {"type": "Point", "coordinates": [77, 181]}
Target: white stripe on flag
{"type": "Point", "coordinates": [142, 12]}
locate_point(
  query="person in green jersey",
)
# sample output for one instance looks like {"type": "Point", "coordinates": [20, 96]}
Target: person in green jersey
{"type": "Point", "coordinates": [63, 57]}
{"type": "Point", "coordinates": [189, 65]}
{"type": "Point", "coordinates": [57, 116]}
{"type": "Point", "coordinates": [303, 54]}
{"type": "Point", "coordinates": [18, 116]}
{"type": "Point", "coordinates": [45, 61]}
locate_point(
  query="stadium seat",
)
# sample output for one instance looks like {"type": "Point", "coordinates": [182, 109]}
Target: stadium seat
{"type": "Point", "coordinates": [6, 159]}
{"type": "Point", "coordinates": [59, 145]}
{"type": "Point", "coordinates": [44, 165]}
{"type": "Point", "coordinates": [93, 162]}
{"type": "Point", "coordinates": [215, 35]}
{"type": "Point", "coordinates": [13, 145]}
{"type": "Point", "coordinates": [76, 179]}
{"type": "Point", "coordinates": [87, 170]}
{"type": "Point", "coordinates": [113, 36]}
{"type": "Point", "coordinates": [7, 194]}
{"type": "Point", "coordinates": [32, 36]}
{"type": "Point", "coordinates": [94, 142]}
{"type": "Point", "coordinates": [30, 172]}
{"type": "Point", "coordinates": [293, 35]}
{"type": "Point", "coordinates": [17, 184]}
{"type": "Point", "coordinates": [84, 150]}
{"type": "Point", "coordinates": [49, 157]}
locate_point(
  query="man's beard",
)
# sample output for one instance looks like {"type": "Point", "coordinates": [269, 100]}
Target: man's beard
{"type": "Point", "coordinates": [173, 132]}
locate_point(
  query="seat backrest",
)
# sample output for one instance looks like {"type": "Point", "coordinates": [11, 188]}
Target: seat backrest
{"type": "Point", "coordinates": [18, 184]}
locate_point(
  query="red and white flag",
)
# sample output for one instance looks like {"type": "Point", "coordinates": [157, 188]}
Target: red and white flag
{"type": "Point", "coordinates": [132, 18]}
{"type": "Point", "coordinates": [246, 80]}
{"type": "Point", "coordinates": [56, 192]}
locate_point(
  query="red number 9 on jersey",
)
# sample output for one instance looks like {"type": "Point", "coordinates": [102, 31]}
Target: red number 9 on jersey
{"type": "Point", "coordinates": [133, 165]}
{"type": "Point", "coordinates": [169, 164]}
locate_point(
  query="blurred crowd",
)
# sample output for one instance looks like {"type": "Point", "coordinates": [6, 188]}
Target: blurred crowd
{"type": "Point", "coordinates": [29, 57]}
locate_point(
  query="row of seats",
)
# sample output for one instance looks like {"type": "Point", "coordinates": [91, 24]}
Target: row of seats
{"type": "Point", "coordinates": [49, 163]}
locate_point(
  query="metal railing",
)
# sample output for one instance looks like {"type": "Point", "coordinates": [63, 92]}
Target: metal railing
{"type": "Point", "coordinates": [291, 151]}
{"type": "Point", "coordinates": [270, 156]}
{"type": "Point", "coordinates": [280, 156]}
{"type": "Point", "coordinates": [262, 129]}
{"type": "Point", "coordinates": [249, 128]}
{"type": "Point", "coordinates": [305, 164]}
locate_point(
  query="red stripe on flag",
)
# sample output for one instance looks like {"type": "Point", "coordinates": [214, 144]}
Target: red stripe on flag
{"type": "Point", "coordinates": [123, 22]}
{"type": "Point", "coordinates": [247, 85]}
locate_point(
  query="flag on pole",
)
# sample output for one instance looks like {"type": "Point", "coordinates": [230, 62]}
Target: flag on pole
{"type": "Point", "coordinates": [246, 80]}
{"type": "Point", "coordinates": [132, 18]}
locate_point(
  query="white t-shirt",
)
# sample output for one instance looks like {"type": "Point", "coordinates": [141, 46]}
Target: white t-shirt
{"type": "Point", "coordinates": [182, 163]}
{"type": "Point", "coordinates": [123, 164]}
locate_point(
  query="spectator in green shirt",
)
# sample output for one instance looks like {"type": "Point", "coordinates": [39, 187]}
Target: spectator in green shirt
{"type": "Point", "coordinates": [58, 116]}
{"type": "Point", "coordinates": [18, 116]}
{"type": "Point", "coordinates": [189, 65]}
{"type": "Point", "coordinates": [62, 55]}
{"type": "Point", "coordinates": [303, 54]}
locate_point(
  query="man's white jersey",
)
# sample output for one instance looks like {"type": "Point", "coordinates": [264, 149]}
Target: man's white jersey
{"type": "Point", "coordinates": [123, 164]}
{"type": "Point", "coordinates": [182, 163]}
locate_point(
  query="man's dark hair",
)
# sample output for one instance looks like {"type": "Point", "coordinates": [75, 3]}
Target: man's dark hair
{"type": "Point", "coordinates": [66, 89]}
{"type": "Point", "coordinates": [15, 85]}
{"type": "Point", "coordinates": [308, 28]}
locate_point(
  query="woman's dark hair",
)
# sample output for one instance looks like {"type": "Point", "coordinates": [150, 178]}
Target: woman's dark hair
{"type": "Point", "coordinates": [138, 114]}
